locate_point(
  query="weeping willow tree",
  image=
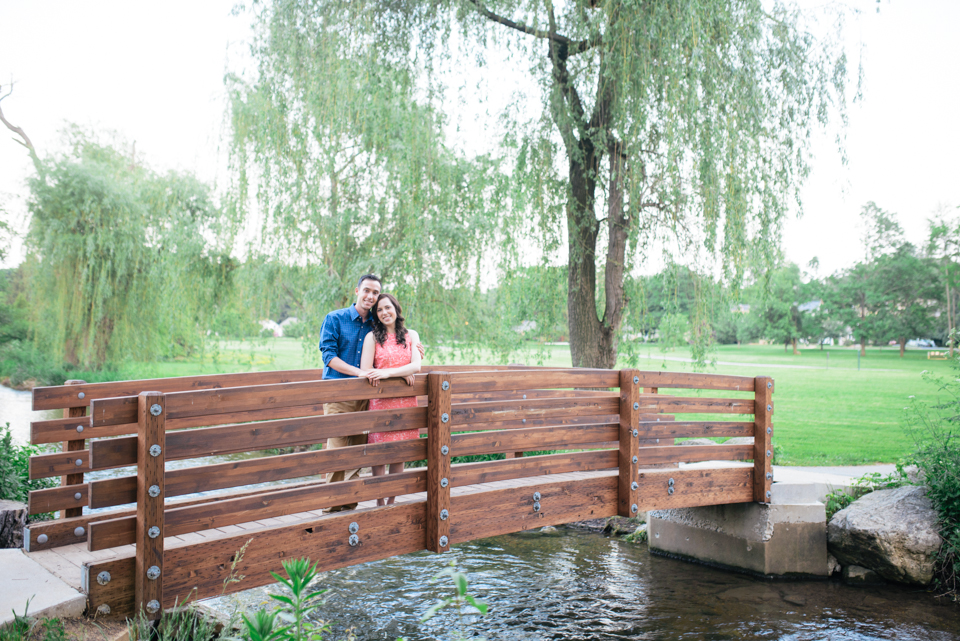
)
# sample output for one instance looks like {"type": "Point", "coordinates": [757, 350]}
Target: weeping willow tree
{"type": "Point", "coordinates": [341, 171]}
{"type": "Point", "coordinates": [123, 264]}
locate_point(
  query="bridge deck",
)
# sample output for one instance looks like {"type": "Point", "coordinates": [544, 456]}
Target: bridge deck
{"type": "Point", "coordinates": [66, 562]}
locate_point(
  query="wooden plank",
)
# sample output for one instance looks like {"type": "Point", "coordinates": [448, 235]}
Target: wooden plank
{"type": "Point", "coordinates": [122, 490]}
{"type": "Point", "coordinates": [553, 421]}
{"type": "Point", "coordinates": [250, 437]}
{"type": "Point", "coordinates": [438, 462]}
{"type": "Point", "coordinates": [51, 398]}
{"type": "Point", "coordinates": [73, 445]}
{"type": "Point", "coordinates": [629, 434]}
{"type": "Point", "coordinates": [684, 380]}
{"type": "Point", "coordinates": [59, 464]}
{"type": "Point", "coordinates": [496, 512]}
{"type": "Point", "coordinates": [230, 511]}
{"type": "Point", "coordinates": [763, 441]}
{"type": "Point", "coordinates": [695, 487]}
{"type": "Point", "coordinates": [148, 579]}
{"type": "Point", "coordinates": [539, 379]}
{"type": "Point", "coordinates": [695, 429]}
{"type": "Point", "coordinates": [57, 498]}
{"type": "Point", "coordinates": [465, 474]}
{"type": "Point", "coordinates": [694, 453]}
{"type": "Point", "coordinates": [57, 430]}
{"type": "Point", "coordinates": [517, 395]}
{"type": "Point", "coordinates": [473, 413]}
{"type": "Point", "coordinates": [532, 438]}
{"type": "Point", "coordinates": [383, 533]}
{"type": "Point", "coordinates": [114, 411]}
{"type": "Point", "coordinates": [692, 405]}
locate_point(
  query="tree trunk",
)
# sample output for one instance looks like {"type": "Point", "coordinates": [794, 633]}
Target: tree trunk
{"type": "Point", "coordinates": [863, 346]}
{"type": "Point", "coordinates": [795, 351]}
{"type": "Point", "coordinates": [903, 345]}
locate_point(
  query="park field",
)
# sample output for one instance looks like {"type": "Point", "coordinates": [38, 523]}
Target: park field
{"type": "Point", "coordinates": [827, 411]}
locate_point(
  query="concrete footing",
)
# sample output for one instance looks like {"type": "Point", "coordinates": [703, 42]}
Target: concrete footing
{"type": "Point", "coordinates": [785, 539]}
{"type": "Point", "coordinates": [24, 579]}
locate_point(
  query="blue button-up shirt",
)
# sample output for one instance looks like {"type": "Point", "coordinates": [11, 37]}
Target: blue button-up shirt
{"type": "Point", "coordinates": [342, 335]}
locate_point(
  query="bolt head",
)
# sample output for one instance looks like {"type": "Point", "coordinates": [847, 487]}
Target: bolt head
{"type": "Point", "coordinates": [769, 453]}
{"type": "Point", "coordinates": [635, 459]}
{"type": "Point", "coordinates": [636, 433]}
{"type": "Point", "coordinates": [634, 508]}
{"type": "Point", "coordinates": [444, 417]}
{"type": "Point", "coordinates": [636, 380]}
{"type": "Point", "coordinates": [524, 420]}
{"type": "Point", "coordinates": [153, 532]}
{"type": "Point", "coordinates": [42, 539]}
{"type": "Point", "coordinates": [769, 384]}
{"type": "Point", "coordinates": [155, 450]}
{"type": "Point", "coordinates": [634, 486]}
{"type": "Point", "coordinates": [103, 578]}
{"type": "Point", "coordinates": [444, 541]}
{"type": "Point", "coordinates": [78, 462]}
{"type": "Point", "coordinates": [79, 428]}
{"type": "Point", "coordinates": [354, 540]}
{"type": "Point", "coordinates": [79, 531]}
{"type": "Point", "coordinates": [81, 395]}
{"type": "Point", "coordinates": [444, 515]}
{"type": "Point", "coordinates": [536, 507]}
{"type": "Point", "coordinates": [153, 572]}
{"type": "Point", "coordinates": [153, 606]}
{"type": "Point", "coordinates": [769, 494]}
{"type": "Point", "coordinates": [769, 408]}
{"type": "Point", "coordinates": [670, 482]}
{"type": "Point", "coordinates": [103, 609]}
{"type": "Point", "coordinates": [353, 528]}
{"type": "Point", "coordinates": [536, 496]}
{"type": "Point", "coordinates": [444, 482]}
{"type": "Point", "coordinates": [444, 450]}
{"type": "Point", "coordinates": [770, 475]}
{"type": "Point", "coordinates": [636, 406]}
{"type": "Point", "coordinates": [154, 491]}
{"type": "Point", "coordinates": [524, 397]}
{"type": "Point", "coordinates": [155, 409]}
{"type": "Point", "coordinates": [445, 385]}
{"type": "Point", "coordinates": [78, 496]}
{"type": "Point", "coordinates": [670, 490]}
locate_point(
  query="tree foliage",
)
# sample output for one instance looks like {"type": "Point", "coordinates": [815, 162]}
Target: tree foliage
{"type": "Point", "coordinates": [685, 118]}
{"type": "Point", "coordinates": [123, 263]}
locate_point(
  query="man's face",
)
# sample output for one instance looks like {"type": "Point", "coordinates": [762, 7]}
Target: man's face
{"type": "Point", "coordinates": [367, 295]}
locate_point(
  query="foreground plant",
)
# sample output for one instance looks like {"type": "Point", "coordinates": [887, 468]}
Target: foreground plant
{"type": "Point", "coordinates": [459, 599]}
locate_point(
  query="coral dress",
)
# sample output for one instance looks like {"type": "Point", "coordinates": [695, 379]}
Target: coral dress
{"type": "Point", "coordinates": [391, 354]}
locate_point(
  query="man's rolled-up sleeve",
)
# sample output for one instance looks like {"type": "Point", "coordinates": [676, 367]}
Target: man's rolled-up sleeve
{"type": "Point", "coordinates": [329, 340]}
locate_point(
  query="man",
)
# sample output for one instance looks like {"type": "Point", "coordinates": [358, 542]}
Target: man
{"type": "Point", "coordinates": [341, 341]}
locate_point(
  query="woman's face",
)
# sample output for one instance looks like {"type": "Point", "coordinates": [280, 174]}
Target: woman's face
{"type": "Point", "coordinates": [386, 312]}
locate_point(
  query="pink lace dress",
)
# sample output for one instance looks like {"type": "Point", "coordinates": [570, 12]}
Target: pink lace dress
{"type": "Point", "coordinates": [386, 356]}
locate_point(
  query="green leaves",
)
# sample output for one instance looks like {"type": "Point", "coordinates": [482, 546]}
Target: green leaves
{"type": "Point", "coordinates": [459, 598]}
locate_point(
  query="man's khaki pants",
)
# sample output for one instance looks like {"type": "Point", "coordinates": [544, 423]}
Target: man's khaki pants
{"type": "Point", "coordinates": [343, 441]}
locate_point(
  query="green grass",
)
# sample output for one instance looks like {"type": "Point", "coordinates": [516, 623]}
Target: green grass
{"type": "Point", "coordinates": [827, 412]}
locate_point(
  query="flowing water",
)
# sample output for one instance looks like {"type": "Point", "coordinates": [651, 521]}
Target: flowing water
{"type": "Point", "coordinates": [574, 584]}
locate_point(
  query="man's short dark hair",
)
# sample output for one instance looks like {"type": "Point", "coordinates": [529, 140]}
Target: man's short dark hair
{"type": "Point", "coordinates": [369, 277]}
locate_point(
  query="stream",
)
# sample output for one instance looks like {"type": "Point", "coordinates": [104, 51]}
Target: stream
{"type": "Point", "coordinates": [577, 584]}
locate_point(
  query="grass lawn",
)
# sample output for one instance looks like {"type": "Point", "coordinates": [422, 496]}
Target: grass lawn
{"type": "Point", "coordinates": [827, 412]}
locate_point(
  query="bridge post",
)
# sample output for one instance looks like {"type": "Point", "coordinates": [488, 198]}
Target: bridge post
{"type": "Point", "coordinates": [763, 439]}
{"type": "Point", "coordinates": [73, 446]}
{"type": "Point", "coordinates": [438, 461]}
{"type": "Point", "coordinates": [151, 453]}
{"type": "Point", "coordinates": [629, 493]}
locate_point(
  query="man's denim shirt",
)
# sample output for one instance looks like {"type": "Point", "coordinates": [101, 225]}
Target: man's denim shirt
{"type": "Point", "coordinates": [342, 335]}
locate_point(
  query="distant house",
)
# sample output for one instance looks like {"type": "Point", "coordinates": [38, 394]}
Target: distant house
{"type": "Point", "coordinates": [271, 326]}
{"type": "Point", "coordinates": [810, 306]}
{"type": "Point", "coordinates": [525, 326]}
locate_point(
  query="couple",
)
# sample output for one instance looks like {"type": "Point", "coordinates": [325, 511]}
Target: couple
{"type": "Point", "coordinates": [369, 340]}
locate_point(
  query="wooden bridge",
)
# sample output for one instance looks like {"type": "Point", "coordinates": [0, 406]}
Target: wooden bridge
{"type": "Point", "coordinates": [616, 455]}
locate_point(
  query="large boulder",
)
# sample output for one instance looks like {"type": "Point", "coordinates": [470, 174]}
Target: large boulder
{"type": "Point", "coordinates": [892, 532]}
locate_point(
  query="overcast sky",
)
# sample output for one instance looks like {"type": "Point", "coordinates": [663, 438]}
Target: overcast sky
{"type": "Point", "coordinates": [154, 73]}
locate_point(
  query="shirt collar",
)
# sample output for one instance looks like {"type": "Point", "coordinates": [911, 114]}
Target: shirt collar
{"type": "Point", "coordinates": [355, 314]}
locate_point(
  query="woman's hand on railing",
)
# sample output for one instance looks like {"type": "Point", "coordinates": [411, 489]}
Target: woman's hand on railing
{"type": "Point", "coordinates": [410, 379]}
{"type": "Point", "coordinates": [374, 376]}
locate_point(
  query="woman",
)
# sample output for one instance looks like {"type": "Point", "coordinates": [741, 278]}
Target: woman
{"type": "Point", "coordinates": [388, 353]}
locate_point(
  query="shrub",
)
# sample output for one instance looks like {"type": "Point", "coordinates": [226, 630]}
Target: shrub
{"type": "Point", "coordinates": [15, 481]}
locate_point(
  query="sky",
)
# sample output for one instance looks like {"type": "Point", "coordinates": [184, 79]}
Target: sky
{"type": "Point", "coordinates": [154, 72]}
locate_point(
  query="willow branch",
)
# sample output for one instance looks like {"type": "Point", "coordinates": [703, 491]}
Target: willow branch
{"type": "Point", "coordinates": [20, 132]}
{"type": "Point", "coordinates": [573, 47]}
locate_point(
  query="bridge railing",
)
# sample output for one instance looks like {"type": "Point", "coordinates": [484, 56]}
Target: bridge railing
{"type": "Point", "coordinates": [623, 438]}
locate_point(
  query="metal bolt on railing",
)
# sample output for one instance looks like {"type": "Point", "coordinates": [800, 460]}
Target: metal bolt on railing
{"type": "Point", "coordinates": [81, 395]}
{"type": "Point", "coordinates": [444, 450]}
{"type": "Point", "coordinates": [444, 541]}
{"type": "Point", "coordinates": [154, 491]}
{"type": "Point", "coordinates": [354, 540]}
{"type": "Point", "coordinates": [153, 532]}
{"type": "Point", "coordinates": [536, 496]}
{"type": "Point", "coordinates": [536, 507]}
{"type": "Point", "coordinates": [77, 496]}
{"type": "Point", "coordinates": [444, 417]}
{"type": "Point", "coordinates": [353, 528]}
{"type": "Point", "coordinates": [79, 531]}
{"type": "Point", "coordinates": [445, 385]}
{"type": "Point", "coordinates": [769, 453]}
{"type": "Point", "coordinates": [444, 515]}
{"type": "Point", "coordinates": [636, 433]}
{"type": "Point", "coordinates": [636, 380]}
{"type": "Point", "coordinates": [635, 459]}
{"type": "Point", "coordinates": [636, 406]}
{"type": "Point", "coordinates": [79, 428]}
{"type": "Point", "coordinates": [153, 572]}
{"type": "Point", "coordinates": [153, 606]}
{"type": "Point", "coordinates": [670, 490]}
{"type": "Point", "coordinates": [155, 450]}
{"type": "Point", "coordinates": [769, 430]}
{"type": "Point", "coordinates": [78, 462]}
{"type": "Point", "coordinates": [103, 578]}
{"type": "Point", "coordinates": [769, 494]}
{"type": "Point", "coordinates": [444, 482]}
{"type": "Point", "coordinates": [769, 408]}
{"type": "Point", "coordinates": [634, 486]}
{"type": "Point", "coordinates": [634, 508]}
{"type": "Point", "coordinates": [155, 409]}
{"type": "Point", "coordinates": [670, 482]}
